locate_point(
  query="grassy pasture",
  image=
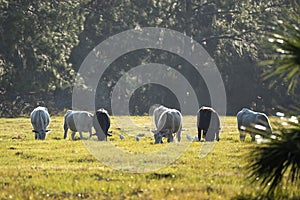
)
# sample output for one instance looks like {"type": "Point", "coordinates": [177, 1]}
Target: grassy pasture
{"type": "Point", "coordinates": [64, 169]}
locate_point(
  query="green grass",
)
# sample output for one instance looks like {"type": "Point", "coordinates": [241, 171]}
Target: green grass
{"type": "Point", "coordinates": [64, 169]}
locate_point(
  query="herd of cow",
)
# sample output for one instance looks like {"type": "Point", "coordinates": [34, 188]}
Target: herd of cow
{"type": "Point", "coordinates": [168, 123]}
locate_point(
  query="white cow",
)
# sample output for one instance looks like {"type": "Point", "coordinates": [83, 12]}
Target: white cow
{"type": "Point", "coordinates": [40, 120]}
{"type": "Point", "coordinates": [78, 121]}
{"type": "Point", "coordinates": [167, 121]}
{"type": "Point", "coordinates": [252, 122]}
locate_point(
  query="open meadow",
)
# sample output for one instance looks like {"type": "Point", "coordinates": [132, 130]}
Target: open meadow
{"type": "Point", "coordinates": [64, 169]}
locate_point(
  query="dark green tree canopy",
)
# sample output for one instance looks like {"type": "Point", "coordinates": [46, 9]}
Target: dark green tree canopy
{"type": "Point", "coordinates": [44, 43]}
{"type": "Point", "coordinates": [37, 38]}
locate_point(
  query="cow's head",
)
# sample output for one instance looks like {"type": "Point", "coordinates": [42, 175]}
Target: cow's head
{"type": "Point", "coordinates": [102, 136]}
{"type": "Point", "coordinates": [40, 135]}
{"type": "Point", "coordinates": [157, 137]}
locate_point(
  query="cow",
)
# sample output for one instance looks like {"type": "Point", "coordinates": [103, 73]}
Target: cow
{"type": "Point", "coordinates": [167, 121]}
{"type": "Point", "coordinates": [40, 120]}
{"type": "Point", "coordinates": [252, 122]}
{"type": "Point", "coordinates": [101, 123]}
{"type": "Point", "coordinates": [208, 121]}
{"type": "Point", "coordinates": [78, 121]}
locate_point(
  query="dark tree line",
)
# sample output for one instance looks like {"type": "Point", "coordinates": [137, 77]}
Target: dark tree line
{"type": "Point", "coordinates": [44, 43]}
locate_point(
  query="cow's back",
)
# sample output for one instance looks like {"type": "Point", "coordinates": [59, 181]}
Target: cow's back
{"type": "Point", "coordinates": [157, 114]}
{"type": "Point", "coordinates": [249, 118]}
{"type": "Point", "coordinates": [207, 116]}
{"type": "Point", "coordinates": [40, 118]}
{"type": "Point", "coordinates": [170, 120]}
{"type": "Point", "coordinates": [79, 121]}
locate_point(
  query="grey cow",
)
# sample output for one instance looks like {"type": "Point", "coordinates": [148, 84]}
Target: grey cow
{"type": "Point", "coordinates": [252, 122]}
{"type": "Point", "coordinates": [78, 121]}
{"type": "Point", "coordinates": [167, 121]}
{"type": "Point", "coordinates": [40, 120]}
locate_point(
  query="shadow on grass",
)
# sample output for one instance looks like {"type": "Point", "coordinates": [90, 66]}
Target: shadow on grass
{"type": "Point", "coordinates": [161, 176]}
{"type": "Point", "coordinates": [264, 197]}
{"type": "Point", "coordinates": [57, 138]}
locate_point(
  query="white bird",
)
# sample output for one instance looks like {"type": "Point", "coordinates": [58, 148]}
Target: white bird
{"type": "Point", "coordinates": [137, 138]}
{"type": "Point", "coordinates": [122, 137]}
{"type": "Point", "coordinates": [196, 138]}
{"type": "Point", "coordinates": [190, 138]}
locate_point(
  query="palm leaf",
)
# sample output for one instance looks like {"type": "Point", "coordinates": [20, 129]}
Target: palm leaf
{"type": "Point", "coordinates": [284, 60]}
{"type": "Point", "coordinates": [277, 160]}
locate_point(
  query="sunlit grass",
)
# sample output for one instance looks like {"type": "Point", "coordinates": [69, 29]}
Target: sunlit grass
{"type": "Point", "coordinates": [64, 169]}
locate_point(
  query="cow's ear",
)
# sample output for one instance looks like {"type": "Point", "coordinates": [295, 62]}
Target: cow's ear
{"type": "Point", "coordinates": [34, 131]}
{"type": "Point", "coordinates": [47, 131]}
{"type": "Point", "coordinates": [108, 134]}
{"type": "Point", "coordinates": [153, 132]}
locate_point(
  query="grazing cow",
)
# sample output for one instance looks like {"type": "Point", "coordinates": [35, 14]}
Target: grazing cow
{"type": "Point", "coordinates": [252, 122]}
{"type": "Point", "coordinates": [167, 122]}
{"type": "Point", "coordinates": [101, 123]}
{"type": "Point", "coordinates": [208, 121]}
{"type": "Point", "coordinates": [78, 121]}
{"type": "Point", "coordinates": [40, 119]}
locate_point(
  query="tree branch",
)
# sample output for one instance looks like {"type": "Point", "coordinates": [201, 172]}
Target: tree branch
{"type": "Point", "coordinates": [232, 37]}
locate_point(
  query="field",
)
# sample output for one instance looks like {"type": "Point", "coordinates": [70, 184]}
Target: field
{"type": "Point", "coordinates": [65, 169]}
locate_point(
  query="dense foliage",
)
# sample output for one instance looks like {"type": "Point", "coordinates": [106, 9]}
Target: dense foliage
{"type": "Point", "coordinates": [37, 38]}
{"type": "Point", "coordinates": [44, 43]}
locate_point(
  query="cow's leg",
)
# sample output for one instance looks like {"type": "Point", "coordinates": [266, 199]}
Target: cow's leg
{"type": "Point", "coordinates": [80, 134]}
{"type": "Point", "coordinates": [101, 136]}
{"type": "Point", "coordinates": [65, 130]}
{"type": "Point", "coordinates": [36, 136]}
{"type": "Point", "coordinates": [199, 134]}
{"type": "Point", "coordinates": [242, 136]}
{"type": "Point", "coordinates": [218, 135]}
{"type": "Point", "coordinates": [204, 134]}
{"type": "Point", "coordinates": [178, 135]}
{"type": "Point", "coordinates": [252, 137]}
{"type": "Point", "coordinates": [73, 135]}
{"type": "Point", "coordinates": [91, 133]}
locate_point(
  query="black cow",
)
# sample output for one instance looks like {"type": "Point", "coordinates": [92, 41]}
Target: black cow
{"type": "Point", "coordinates": [208, 120]}
{"type": "Point", "coordinates": [101, 123]}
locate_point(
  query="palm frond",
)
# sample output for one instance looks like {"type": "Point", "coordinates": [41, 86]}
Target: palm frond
{"type": "Point", "coordinates": [277, 161]}
{"type": "Point", "coordinates": [284, 60]}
